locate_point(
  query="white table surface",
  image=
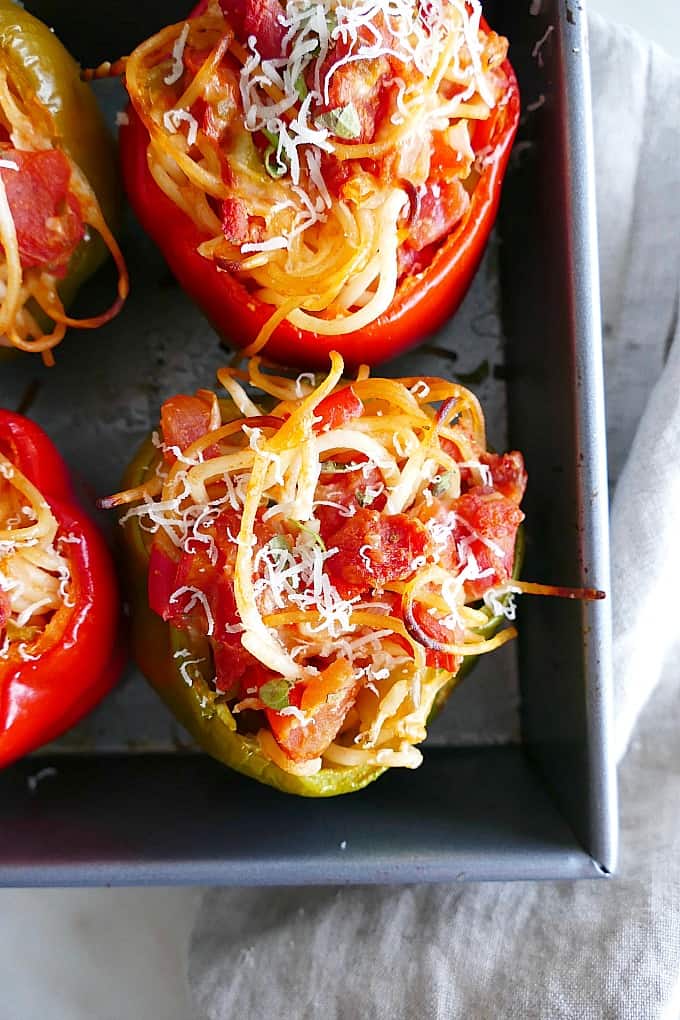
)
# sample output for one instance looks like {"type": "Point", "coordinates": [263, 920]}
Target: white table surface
{"type": "Point", "coordinates": [110, 954]}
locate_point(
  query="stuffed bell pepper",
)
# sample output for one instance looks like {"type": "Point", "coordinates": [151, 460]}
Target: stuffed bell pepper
{"type": "Point", "coordinates": [321, 176]}
{"type": "Point", "coordinates": [59, 194]}
{"type": "Point", "coordinates": [59, 604]}
{"type": "Point", "coordinates": [310, 572]}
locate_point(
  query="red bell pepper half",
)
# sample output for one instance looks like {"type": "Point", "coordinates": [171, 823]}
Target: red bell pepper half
{"type": "Point", "coordinates": [423, 301]}
{"type": "Point", "coordinates": [55, 676]}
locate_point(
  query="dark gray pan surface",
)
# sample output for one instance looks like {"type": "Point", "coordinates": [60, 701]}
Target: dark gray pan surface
{"type": "Point", "coordinates": [467, 813]}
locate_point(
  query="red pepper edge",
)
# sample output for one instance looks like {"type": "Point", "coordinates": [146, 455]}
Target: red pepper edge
{"type": "Point", "coordinates": [81, 653]}
{"type": "Point", "coordinates": [33, 452]}
{"type": "Point", "coordinates": [423, 302]}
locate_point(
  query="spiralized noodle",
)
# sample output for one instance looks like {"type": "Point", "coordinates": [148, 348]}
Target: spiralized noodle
{"type": "Point", "coordinates": [34, 574]}
{"type": "Point", "coordinates": [27, 296]}
{"type": "Point", "coordinates": [272, 467]}
{"type": "Point", "coordinates": [326, 258]}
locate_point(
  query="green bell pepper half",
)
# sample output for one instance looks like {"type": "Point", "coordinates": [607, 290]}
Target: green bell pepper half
{"type": "Point", "coordinates": [37, 64]}
{"type": "Point", "coordinates": [200, 709]}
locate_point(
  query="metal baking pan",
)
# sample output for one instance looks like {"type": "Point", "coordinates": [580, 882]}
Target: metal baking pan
{"type": "Point", "coordinates": [519, 780]}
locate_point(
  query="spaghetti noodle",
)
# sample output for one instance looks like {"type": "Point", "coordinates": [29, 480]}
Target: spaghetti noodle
{"type": "Point", "coordinates": [324, 150]}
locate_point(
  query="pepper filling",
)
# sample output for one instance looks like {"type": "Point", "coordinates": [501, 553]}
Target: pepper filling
{"type": "Point", "coordinates": [325, 150]}
{"type": "Point", "coordinates": [337, 554]}
{"type": "Point", "coordinates": [47, 208]}
{"type": "Point", "coordinates": [35, 576]}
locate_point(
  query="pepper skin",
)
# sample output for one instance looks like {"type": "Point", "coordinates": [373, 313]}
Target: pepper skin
{"type": "Point", "coordinates": [38, 65]}
{"type": "Point", "coordinates": [160, 649]}
{"type": "Point", "coordinates": [423, 302]}
{"type": "Point", "coordinates": [78, 657]}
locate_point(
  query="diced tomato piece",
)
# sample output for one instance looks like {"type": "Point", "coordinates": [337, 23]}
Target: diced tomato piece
{"type": "Point", "coordinates": [211, 127]}
{"type": "Point", "coordinates": [412, 262]}
{"type": "Point", "coordinates": [337, 409]}
{"type": "Point", "coordinates": [353, 489]}
{"type": "Point", "coordinates": [374, 548]}
{"type": "Point", "coordinates": [443, 660]}
{"type": "Point", "coordinates": [4, 610]}
{"type": "Point", "coordinates": [336, 172]}
{"type": "Point", "coordinates": [259, 18]}
{"type": "Point", "coordinates": [184, 419]}
{"type": "Point", "coordinates": [234, 220]}
{"type": "Point", "coordinates": [467, 478]}
{"type": "Point", "coordinates": [508, 474]}
{"type": "Point", "coordinates": [196, 569]}
{"type": "Point", "coordinates": [361, 83]}
{"type": "Point", "coordinates": [263, 20]}
{"type": "Point", "coordinates": [232, 663]}
{"type": "Point", "coordinates": [47, 216]}
{"type": "Point", "coordinates": [442, 635]}
{"type": "Point", "coordinates": [439, 208]}
{"type": "Point", "coordinates": [161, 580]}
{"type": "Point", "coordinates": [169, 579]}
{"type": "Point", "coordinates": [482, 525]}
{"type": "Point", "coordinates": [253, 678]}
{"type": "Point", "coordinates": [326, 699]}
{"type": "Point", "coordinates": [225, 613]}
{"type": "Point", "coordinates": [495, 520]}
{"type": "Point", "coordinates": [238, 226]}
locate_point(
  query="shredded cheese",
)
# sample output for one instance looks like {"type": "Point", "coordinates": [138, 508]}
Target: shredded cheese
{"type": "Point", "coordinates": [177, 69]}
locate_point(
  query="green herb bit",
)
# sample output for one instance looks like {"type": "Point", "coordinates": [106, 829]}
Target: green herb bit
{"type": "Point", "coordinates": [274, 694]}
{"type": "Point", "coordinates": [306, 530]}
{"type": "Point", "coordinates": [301, 88]}
{"type": "Point", "coordinates": [275, 163]}
{"type": "Point", "coordinates": [343, 122]}
{"type": "Point", "coordinates": [336, 467]}
{"type": "Point", "coordinates": [274, 167]}
{"type": "Point", "coordinates": [442, 483]}
{"type": "Point", "coordinates": [280, 544]}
